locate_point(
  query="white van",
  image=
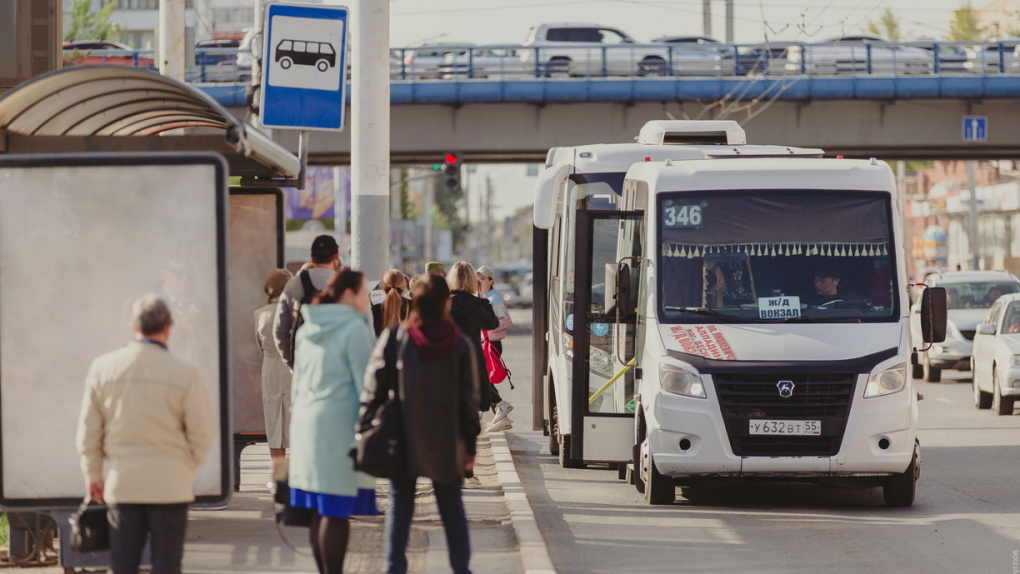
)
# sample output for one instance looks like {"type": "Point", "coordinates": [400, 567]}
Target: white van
{"type": "Point", "coordinates": [744, 318]}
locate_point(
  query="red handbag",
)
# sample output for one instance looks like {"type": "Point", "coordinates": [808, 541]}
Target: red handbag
{"type": "Point", "coordinates": [494, 362]}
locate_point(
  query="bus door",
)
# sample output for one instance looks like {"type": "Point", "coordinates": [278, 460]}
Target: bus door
{"type": "Point", "coordinates": [602, 384]}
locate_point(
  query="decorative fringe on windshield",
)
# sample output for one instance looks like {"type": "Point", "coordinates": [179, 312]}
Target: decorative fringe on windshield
{"type": "Point", "coordinates": [820, 248]}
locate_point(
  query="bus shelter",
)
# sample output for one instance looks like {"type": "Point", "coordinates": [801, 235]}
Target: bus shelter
{"type": "Point", "coordinates": [113, 180]}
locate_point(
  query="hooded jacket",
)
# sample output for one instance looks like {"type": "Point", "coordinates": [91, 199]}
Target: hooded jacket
{"type": "Point", "coordinates": [436, 374]}
{"type": "Point", "coordinates": [331, 352]}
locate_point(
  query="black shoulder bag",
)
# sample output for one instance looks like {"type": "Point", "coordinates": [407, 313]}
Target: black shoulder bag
{"type": "Point", "coordinates": [90, 530]}
{"type": "Point", "coordinates": [378, 447]}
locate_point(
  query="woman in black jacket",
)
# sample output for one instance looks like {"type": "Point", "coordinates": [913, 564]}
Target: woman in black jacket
{"type": "Point", "coordinates": [438, 390]}
{"type": "Point", "coordinates": [473, 313]}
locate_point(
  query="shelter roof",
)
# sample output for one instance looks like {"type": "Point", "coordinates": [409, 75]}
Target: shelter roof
{"type": "Point", "coordinates": [119, 108]}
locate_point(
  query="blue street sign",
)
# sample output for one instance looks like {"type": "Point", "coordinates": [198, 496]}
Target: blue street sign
{"type": "Point", "coordinates": [975, 128]}
{"type": "Point", "coordinates": [304, 67]}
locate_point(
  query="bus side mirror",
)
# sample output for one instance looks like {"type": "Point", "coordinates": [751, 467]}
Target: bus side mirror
{"type": "Point", "coordinates": [934, 314]}
{"type": "Point", "coordinates": [617, 287]}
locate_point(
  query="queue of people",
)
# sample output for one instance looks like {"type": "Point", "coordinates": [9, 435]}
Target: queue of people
{"type": "Point", "coordinates": [330, 346]}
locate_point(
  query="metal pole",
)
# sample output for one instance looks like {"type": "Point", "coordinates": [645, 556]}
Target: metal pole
{"type": "Point", "coordinates": [706, 16]}
{"type": "Point", "coordinates": [975, 239]}
{"type": "Point", "coordinates": [729, 21]}
{"type": "Point", "coordinates": [429, 192]}
{"type": "Point", "coordinates": [370, 138]}
{"type": "Point", "coordinates": [171, 39]}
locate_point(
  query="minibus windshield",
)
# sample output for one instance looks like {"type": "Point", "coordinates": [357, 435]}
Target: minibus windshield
{"type": "Point", "coordinates": [775, 256]}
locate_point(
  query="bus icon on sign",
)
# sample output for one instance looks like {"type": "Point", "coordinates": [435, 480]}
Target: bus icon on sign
{"type": "Point", "coordinates": [303, 53]}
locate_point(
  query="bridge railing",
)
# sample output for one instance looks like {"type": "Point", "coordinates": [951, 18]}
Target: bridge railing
{"type": "Point", "coordinates": [646, 61]}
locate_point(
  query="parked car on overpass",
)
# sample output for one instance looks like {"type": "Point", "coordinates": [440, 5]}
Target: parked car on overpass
{"type": "Point", "coordinates": [568, 49]}
{"type": "Point", "coordinates": [423, 62]}
{"type": "Point", "coordinates": [862, 54]}
{"type": "Point", "coordinates": [994, 365]}
{"type": "Point", "coordinates": [996, 56]}
{"type": "Point", "coordinates": [104, 52]}
{"type": "Point", "coordinates": [768, 58]}
{"type": "Point", "coordinates": [502, 62]}
{"type": "Point", "coordinates": [949, 56]}
{"type": "Point", "coordinates": [698, 55]}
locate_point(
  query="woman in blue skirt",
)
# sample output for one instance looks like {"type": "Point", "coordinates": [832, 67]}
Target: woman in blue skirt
{"type": "Point", "coordinates": [332, 348]}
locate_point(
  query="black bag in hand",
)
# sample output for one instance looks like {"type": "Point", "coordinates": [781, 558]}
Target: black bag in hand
{"type": "Point", "coordinates": [378, 447]}
{"type": "Point", "coordinates": [286, 514]}
{"type": "Point", "coordinates": [90, 530]}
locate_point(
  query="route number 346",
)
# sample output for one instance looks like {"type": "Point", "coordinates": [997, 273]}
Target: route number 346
{"type": "Point", "coordinates": [682, 216]}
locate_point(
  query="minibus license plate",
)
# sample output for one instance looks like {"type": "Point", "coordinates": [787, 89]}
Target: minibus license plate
{"type": "Point", "coordinates": [789, 428]}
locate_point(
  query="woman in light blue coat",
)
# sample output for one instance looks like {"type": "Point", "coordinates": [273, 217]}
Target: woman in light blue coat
{"type": "Point", "coordinates": [332, 349]}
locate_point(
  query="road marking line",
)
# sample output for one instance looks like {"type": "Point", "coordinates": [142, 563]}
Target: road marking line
{"type": "Point", "coordinates": [943, 400]}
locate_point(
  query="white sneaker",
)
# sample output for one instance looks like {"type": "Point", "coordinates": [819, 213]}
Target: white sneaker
{"type": "Point", "coordinates": [502, 410]}
{"type": "Point", "coordinates": [501, 425]}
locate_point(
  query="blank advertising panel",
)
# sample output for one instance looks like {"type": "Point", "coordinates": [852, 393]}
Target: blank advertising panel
{"type": "Point", "coordinates": [81, 238]}
{"type": "Point", "coordinates": [256, 248]}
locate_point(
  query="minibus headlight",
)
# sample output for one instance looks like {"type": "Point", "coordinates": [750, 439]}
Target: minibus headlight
{"type": "Point", "coordinates": [681, 382]}
{"type": "Point", "coordinates": [601, 362]}
{"type": "Point", "coordinates": [887, 381]}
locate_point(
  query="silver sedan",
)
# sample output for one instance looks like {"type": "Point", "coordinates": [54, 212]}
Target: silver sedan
{"type": "Point", "coordinates": [996, 358]}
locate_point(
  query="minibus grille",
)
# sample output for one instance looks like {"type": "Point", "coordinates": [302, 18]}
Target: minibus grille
{"type": "Point", "coordinates": [823, 397]}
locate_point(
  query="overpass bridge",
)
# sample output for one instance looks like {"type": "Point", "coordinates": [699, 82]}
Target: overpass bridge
{"type": "Point", "coordinates": [514, 120]}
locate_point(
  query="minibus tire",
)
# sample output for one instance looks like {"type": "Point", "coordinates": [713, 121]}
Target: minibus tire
{"type": "Point", "coordinates": [899, 489]}
{"type": "Point", "coordinates": [639, 482]}
{"type": "Point", "coordinates": [659, 489]}
{"type": "Point", "coordinates": [554, 423]}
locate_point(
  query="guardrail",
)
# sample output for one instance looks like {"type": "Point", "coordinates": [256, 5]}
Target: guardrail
{"type": "Point", "coordinates": [510, 62]}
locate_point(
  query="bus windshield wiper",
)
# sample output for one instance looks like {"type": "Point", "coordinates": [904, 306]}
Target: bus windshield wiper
{"type": "Point", "coordinates": [707, 313]}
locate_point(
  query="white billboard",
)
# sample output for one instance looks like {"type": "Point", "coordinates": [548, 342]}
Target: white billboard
{"type": "Point", "coordinates": [81, 237]}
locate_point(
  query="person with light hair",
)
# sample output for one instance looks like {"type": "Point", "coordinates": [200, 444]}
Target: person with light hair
{"type": "Point", "coordinates": [473, 313]}
{"type": "Point", "coordinates": [146, 418]}
{"type": "Point", "coordinates": [486, 281]}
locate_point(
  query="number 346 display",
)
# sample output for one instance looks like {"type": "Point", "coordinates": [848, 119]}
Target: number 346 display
{"type": "Point", "coordinates": [678, 216]}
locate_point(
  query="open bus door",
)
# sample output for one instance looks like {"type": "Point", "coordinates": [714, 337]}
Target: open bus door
{"type": "Point", "coordinates": [602, 377]}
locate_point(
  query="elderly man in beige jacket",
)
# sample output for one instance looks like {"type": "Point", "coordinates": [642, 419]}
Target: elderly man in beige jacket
{"type": "Point", "coordinates": [147, 415]}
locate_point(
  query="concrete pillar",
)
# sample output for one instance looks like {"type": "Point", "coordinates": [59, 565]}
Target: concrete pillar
{"type": "Point", "coordinates": [171, 39]}
{"type": "Point", "coordinates": [370, 137]}
{"type": "Point", "coordinates": [706, 16]}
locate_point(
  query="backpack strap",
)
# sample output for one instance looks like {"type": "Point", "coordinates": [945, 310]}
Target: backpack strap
{"type": "Point", "coordinates": [310, 290]}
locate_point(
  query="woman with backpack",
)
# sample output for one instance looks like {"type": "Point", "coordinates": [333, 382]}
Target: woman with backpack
{"type": "Point", "coordinates": [437, 386]}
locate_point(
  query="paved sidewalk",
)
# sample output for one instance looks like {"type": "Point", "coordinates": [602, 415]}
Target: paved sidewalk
{"type": "Point", "coordinates": [244, 538]}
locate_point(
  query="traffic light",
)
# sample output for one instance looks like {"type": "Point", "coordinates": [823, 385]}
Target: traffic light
{"type": "Point", "coordinates": [451, 171]}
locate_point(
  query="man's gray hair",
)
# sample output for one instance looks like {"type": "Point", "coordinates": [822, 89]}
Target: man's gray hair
{"type": "Point", "coordinates": [150, 314]}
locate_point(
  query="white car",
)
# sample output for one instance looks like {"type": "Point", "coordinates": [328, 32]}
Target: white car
{"type": "Point", "coordinates": [996, 360]}
{"type": "Point", "coordinates": [423, 62]}
{"type": "Point", "coordinates": [858, 55]}
{"type": "Point", "coordinates": [984, 58]}
{"type": "Point", "coordinates": [501, 62]}
{"type": "Point", "coordinates": [565, 50]}
{"type": "Point", "coordinates": [970, 295]}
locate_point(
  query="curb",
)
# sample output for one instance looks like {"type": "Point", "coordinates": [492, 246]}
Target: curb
{"type": "Point", "coordinates": [533, 551]}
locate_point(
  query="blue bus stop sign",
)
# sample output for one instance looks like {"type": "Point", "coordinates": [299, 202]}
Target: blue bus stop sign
{"type": "Point", "coordinates": [304, 67]}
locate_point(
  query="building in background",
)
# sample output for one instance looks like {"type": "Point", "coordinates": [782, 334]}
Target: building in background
{"type": "Point", "coordinates": [999, 18]}
{"type": "Point", "coordinates": [938, 217]}
{"type": "Point", "coordinates": [30, 37]}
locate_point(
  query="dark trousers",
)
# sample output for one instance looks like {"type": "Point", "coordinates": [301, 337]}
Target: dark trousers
{"type": "Point", "coordinates": [398, 525]}
{"type": "Point", "coordinates": [132, 524]}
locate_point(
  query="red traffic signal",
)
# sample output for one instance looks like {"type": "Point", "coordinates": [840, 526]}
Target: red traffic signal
{"type": "Point", "coordinates": [451, 158]}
